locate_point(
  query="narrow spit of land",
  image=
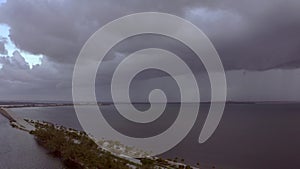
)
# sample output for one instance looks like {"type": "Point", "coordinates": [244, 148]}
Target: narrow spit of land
{"type": "Point", "coordinates": [80, 151]}
{"type": "Point", "coordinates": [4, 112]}
{"type": "Point", "coordinates": [15, 121]}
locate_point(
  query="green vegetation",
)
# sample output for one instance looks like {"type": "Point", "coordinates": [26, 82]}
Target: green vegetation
{"type": "Point", "coordinates": [78, 151]}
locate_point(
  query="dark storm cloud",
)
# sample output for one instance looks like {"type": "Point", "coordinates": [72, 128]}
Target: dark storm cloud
{"type": "Point", "coordinates": [265, 34]}
{"type": "Point", "coordinates": [262, 36]}
{"type": "Point", "coordinates": [255, 35]}
{"type": "Point", "coordinates": [58, 29]}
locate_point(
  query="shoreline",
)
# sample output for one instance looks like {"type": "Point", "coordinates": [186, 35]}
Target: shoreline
{"type": "Point", "coordinates": [5, 113]}
{"type": "Point", "coordinates": [34, 105]}
{"type": "Point", "coordinates": [33, 127]}
{"type": "Point", "coordinates": [30, 127]}
{"type": "Point", "coordinates": [16, 122]}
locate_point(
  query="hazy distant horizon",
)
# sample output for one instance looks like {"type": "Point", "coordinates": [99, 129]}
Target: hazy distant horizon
{"type": "Point", "coordinates": [110, 102]}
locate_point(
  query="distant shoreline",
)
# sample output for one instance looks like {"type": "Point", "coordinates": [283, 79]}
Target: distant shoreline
{"type": "Point", "coordinates": [34, 105]}
{"type": "Point", "coordinates": [58, 104]}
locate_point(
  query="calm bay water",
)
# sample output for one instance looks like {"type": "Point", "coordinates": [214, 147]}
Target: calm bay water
{"type": "Point", "coordinates": [19, 150]}
{"type": "Point", "coordinates": [250, 136]}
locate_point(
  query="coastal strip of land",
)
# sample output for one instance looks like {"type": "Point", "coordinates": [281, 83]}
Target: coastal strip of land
{"type": "Point", "coordinates": [21, 105]}
{"type": "Point", "coordinates": [4, 112]}
{"type": "Point", "coordinates": [15, 121]}
{"type": "Point", "coordinates": [65, 143]}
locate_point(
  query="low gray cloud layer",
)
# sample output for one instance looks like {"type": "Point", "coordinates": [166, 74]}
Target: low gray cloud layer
{"type": "Point", "coordinates": [256, 35]}
{"type": "Point", "coordinates": [46, 81]}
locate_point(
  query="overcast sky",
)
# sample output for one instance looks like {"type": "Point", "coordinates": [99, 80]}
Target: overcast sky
{"type": "Point", "coordinates": [258, 42]}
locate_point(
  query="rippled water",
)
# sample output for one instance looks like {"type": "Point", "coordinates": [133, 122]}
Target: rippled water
{"type": "Point", "coordinates": [254, 136]}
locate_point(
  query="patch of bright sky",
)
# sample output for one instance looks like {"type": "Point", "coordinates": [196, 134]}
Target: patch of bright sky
{"type": "Point", "coordinates": [31, 59]}
{"type": "Point", "coordinates": [2, 1]}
